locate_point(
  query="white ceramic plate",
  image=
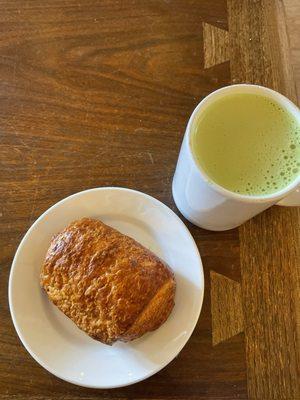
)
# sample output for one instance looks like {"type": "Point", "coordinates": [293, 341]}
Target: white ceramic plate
{"type": "Point", "coordinates": [55, 342]}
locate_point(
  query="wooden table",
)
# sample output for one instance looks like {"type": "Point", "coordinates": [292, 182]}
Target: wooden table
{"type": "Point", "coordinates": [97, 93]}
{"type": "Point", "coordinates": [292, 13]}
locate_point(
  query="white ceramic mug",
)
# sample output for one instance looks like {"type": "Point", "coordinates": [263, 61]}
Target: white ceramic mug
{"type": "Point", "coordinates": [209, 205]}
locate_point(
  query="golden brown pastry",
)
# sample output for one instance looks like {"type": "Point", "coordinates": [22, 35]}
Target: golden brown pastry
{"type": "Point", "coordinates": [112, 287]}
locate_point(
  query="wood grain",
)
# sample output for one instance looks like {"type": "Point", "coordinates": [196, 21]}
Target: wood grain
{"type": "Point", "coordinates": [98, 93]}
{"type": "Point", "coordinates": [292, 8]}
{"type": "Point", "coordinates": [270, 251]}
{"type": "Point", "coordinates": [226, 308]}
{"type": "Point", "coordinates": [270, 291]}
{"type": "Point", "coordinates": [216, 45]}
{"type": "Point", "coordinates": [259, 45]}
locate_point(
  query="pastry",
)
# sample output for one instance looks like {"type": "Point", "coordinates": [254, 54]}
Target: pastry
{"type": "Point", "coordinates": [107, 283]}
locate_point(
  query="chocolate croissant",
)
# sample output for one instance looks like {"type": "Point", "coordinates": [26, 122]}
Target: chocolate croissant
{"type": "Point", "coordinates": [108, 284]}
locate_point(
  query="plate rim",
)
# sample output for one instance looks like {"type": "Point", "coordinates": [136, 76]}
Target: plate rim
{"type": "Point", "coordinates": [13, 266]}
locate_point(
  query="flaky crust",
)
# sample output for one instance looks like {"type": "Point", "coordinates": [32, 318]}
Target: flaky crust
{"type": "Point", "coordinates": [112, 287]}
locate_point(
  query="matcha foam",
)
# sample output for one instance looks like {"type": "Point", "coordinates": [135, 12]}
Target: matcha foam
{"type": "Point", "coordinates": [248, 144]}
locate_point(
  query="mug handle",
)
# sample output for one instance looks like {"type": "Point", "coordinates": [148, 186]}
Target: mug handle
{"type": "Point", "coordinates": [292, 200]}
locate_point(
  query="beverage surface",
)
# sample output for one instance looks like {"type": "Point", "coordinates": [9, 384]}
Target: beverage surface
{"type": "Point", "coordinates": [248, 144]}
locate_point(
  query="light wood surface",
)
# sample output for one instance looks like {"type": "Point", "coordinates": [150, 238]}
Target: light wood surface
{"type": "Point", "coordinates": [269, 263]}
{"type": "Point", "coordinates": [259, 45]}
{"type": "Point", "coordinates": [216, 45]}
{"type": "Point", "coordinates": [226, 308]}
{"type": "Point", "coordinates": [292, 14]}
{"type": "Point", "coordinates": [98, 93]}
{"type": "Point", "coordinates": [270, 292]}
